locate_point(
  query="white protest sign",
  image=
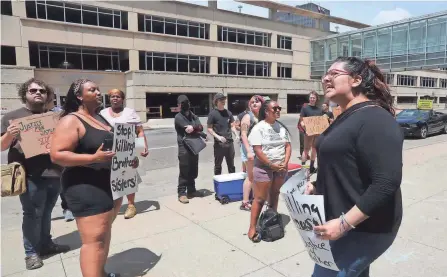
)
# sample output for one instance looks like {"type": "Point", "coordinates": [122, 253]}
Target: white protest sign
{"type": "Point", "coordinates": [306, 212]}
{"type": "Point", "coordinates": [123, 178]}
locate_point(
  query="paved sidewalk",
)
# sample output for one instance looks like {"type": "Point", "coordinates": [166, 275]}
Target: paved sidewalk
{"type": "Point", "coordinates": [205, 238]}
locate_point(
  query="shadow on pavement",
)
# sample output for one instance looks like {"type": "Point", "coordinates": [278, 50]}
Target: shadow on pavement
{"type": "Point", "coordinates": [71, 239]}
{"type": "Point", "coordinates": [132, 262]}
{"type": "Point", "coordinates": [206, 192]}
{"type": "Point", "coordinates": [142, 207]}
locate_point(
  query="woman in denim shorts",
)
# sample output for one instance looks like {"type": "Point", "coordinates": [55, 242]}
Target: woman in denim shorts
{"type": "Point", "coordinates": [247, 153]}
{"type": "Point", "coordinates": [271, 143]}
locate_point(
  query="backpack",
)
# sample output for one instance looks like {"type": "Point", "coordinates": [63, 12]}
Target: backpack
{"type": "Point", "coordinates": [270, 225]}
{"type": "Point", "coordinates": [13, 179]}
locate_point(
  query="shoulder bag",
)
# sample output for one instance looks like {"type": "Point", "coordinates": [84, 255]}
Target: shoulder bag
{"type": "Point", "coordinates": [13, 179]}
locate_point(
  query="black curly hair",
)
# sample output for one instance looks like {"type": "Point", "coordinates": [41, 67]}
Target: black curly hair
{"type": "Point", "coordinates": [263, 111]}
{"type": "Point", "coordinates": [23, 89]}
{"type": "Point", "coordinates": [72, 101]}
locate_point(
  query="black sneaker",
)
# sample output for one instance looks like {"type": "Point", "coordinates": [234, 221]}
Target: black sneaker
{"type": "Point", "coordinates": [33, 262]}
{"type": "Point", "coordinates": [53, 248]}
{"type": "Point", "coordinates": [312, 170]}
{"type": "Point", "coordinates": [195, 194]}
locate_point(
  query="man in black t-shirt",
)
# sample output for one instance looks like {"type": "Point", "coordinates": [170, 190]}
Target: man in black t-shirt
{"type": "Point", "coordinates": [309, 141]}
{"type": "Point", "coordinates": [42, 187]}
{"type": "Point", "coordinates": [329, 114]}
{"type": "Point", "coordinates": [220, 126]}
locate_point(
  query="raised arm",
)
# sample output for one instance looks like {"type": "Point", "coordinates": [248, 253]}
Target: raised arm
{"type": "Point", "coordinates": [64, 141]}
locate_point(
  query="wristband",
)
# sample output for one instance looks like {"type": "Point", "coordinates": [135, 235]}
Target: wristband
{"type": "Point", "coordinates": [270, 164]}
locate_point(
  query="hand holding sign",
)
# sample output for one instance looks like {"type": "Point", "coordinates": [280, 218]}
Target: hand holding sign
{"type": "Point", "coordinates": [13, 130]}
{"type": "Point", "coordinates": [315, 125]}
{"type": "Point", "coordinates": [331, 230]}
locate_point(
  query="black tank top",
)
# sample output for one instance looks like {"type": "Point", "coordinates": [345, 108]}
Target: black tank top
{"type": "Point", "coordinates": [92, 139]}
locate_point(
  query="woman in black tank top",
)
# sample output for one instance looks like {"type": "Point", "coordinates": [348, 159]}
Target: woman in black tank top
{"type": "Point", "coordinates": [77, 145]}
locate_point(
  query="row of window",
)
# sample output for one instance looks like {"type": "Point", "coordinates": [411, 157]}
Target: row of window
{"type": "Point", "coordinates": [411, 81]}
{"type": "Point", "coordinates": [174, 62]}
{"type": "Point", "coordinates": [76, 13]}
{"type": "Point", "coordinates": [243, 67]}
{"type": "Point", "coordinates": [243, 36]}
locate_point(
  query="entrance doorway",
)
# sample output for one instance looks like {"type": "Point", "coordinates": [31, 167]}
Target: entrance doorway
{"type": "Point", "coordinates": [295, 102]}
{"type": "Point", "coordinates": [164, 105]}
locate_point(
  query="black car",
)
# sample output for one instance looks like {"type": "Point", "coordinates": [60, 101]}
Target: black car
{"type": "Point", "coordinates": [421, 123]}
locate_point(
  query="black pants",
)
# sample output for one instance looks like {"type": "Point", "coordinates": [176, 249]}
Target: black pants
{"type": "Point", "coordinates": [301, 143]}
{"type": "Point", "coordinates": [189, 170]}
{"type": "Point", "coordinates": [63, 202]}
{"type": "Point", "coordinates": [222, 150]}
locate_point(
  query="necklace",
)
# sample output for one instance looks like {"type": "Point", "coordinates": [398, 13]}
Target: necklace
{"type": "Point", "coordinates": [114, 114]}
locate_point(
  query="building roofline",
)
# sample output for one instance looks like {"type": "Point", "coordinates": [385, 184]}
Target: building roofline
{"type": "Point", "coordinates": [299, 11]}
{"type": "Point", "coordinates": [394, 23]}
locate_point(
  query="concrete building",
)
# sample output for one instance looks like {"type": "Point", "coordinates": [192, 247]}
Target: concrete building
{"type": "Point", "coordinates": [306, 20]}
{"type": "Point", "coordinates": [156, 50]}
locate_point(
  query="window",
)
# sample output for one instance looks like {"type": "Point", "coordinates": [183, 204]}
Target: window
{"type": "Point", "coordinates": [6, 8]}
{"type": "Point", "coordinates": [8, 55]}
{"type": "Point", "coordinates": [74, 57]}
{"type": "Point", "coordinates": [428, 82]}
{"type": "Point", "coordinates": [243, 67]}
{"type": "Point", "coordinates": [284, 42]}
{"type": "Point", "coordinates": [284, 70]}
{"type": "Point", "coordinates": [154, 61]}
{"type": "Point", "coordinates": [172, 26]}
{"type": "Point", "coordinates": [389, 79]}
{"type": "Point", "coordinates": [406, 80]}
{"type": "Point", "coordinates": [443, 83]}
{"type": "Point", "coordinates": [76, 13]}
{"type": "Point", "coordinates": [243, 36]}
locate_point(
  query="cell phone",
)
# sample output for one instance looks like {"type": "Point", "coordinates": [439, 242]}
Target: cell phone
{"type": "Point", "coordinates": [108, 144]}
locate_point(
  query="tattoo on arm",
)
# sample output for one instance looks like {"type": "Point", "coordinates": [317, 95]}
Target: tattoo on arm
{"type": "Point", "coordinates": [244, 128]}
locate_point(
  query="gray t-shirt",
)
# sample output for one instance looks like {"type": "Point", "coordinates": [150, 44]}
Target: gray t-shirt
{"type": "Point", "coordinates": [272, 138]}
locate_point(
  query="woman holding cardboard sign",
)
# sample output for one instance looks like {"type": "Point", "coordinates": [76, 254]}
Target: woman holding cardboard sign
{"type": "Point", "coordinates": [360, 168]}
{"type": "Point", "coordinates": [79, 146]}
{"type": "Point", "coordinates": [117, 113]}
{"type": "Point", "coordinates": [310, 109]}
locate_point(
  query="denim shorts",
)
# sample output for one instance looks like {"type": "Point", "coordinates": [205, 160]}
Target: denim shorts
{"type": "Point", "coordinates": [265, 174]}
{"type": "Point", "coordinates": [244, 153]}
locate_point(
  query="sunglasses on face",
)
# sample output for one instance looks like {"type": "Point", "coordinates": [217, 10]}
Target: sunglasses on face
{"type": "Point", "coordinates": [35, 90]}
{"type": "Point", "coordinates": [276, 109]}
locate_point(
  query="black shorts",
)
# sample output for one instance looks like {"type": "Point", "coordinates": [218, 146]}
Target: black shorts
{"type": "Point", "coordinates": [87, 191]}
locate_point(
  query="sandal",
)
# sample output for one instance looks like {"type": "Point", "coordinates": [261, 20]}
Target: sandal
{"type": "Point", "coordinates": [256, 238]}
{"type": "Point", "coordinates": [245, 206]}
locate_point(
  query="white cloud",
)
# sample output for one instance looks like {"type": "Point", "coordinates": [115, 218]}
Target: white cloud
{"type": "Point", "coordinates": [389, 16]}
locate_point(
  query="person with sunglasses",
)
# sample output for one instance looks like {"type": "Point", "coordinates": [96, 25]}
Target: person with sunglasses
{"type": "Point", "coordinates": [311, 109]}
{"type": "Point", "coordinates": [271, 143]}
{"type": "Point", "coordinates": [42, 186]}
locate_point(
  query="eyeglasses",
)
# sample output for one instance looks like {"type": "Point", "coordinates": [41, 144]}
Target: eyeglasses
{"type": "Point", "coordinates": [34, 90]}
{"type": "Point", "coordinates": [276, 109]}
{"type": "Point", "coordinates": [334, 73]}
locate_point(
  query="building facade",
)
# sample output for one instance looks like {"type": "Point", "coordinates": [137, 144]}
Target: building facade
{"type": "Point", "coordinates": [305, 20]}
{"type": "Point", "coordinates": [155, 51]}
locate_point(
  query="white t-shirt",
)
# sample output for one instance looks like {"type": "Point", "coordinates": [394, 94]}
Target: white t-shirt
{"type": "Point", "coordinates": [272, 138]}
{"type": "Point", "coordinates": [128, 115]}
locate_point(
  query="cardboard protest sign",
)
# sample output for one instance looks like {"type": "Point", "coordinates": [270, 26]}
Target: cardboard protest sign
{"type": "Point", "coordinates": [123, 177]}
{"type": "Point", "coordinates": [315, 125]}
{"type": "Point", "coordinates": [336, 112]}
{"type": "Point", "coordinates": [35, 132]}
{"type": "Point", "coordinates": [306, 212]}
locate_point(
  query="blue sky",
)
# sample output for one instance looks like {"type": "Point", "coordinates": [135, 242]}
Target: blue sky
{"type": "Point", "coordinates": [369, 12]}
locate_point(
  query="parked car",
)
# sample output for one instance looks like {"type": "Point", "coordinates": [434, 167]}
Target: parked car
{"type": "Point", "coordinates": [421, 123]}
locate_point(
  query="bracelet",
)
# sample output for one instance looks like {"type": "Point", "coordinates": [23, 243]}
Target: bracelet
{"type": "Point", "coordinates": [343, 220]}
{"type": "Point", "coordinates": [270, 164]}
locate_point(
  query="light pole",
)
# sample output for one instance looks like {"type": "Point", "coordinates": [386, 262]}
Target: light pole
{"type": "Point", "coordinates": [240, 8]}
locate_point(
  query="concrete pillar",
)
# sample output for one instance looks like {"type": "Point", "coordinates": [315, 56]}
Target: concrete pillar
{"type": "Point", "coordinates": [282, 101]}
{"type": "Point", "coordinates": [274, 70]}
{"type": "Point", "coordinates": [214, 65]}
{"type": "Point", "coordinates": [272, 14]}
{"type": "Point", "coordinates": [22, 56]}
{"type": "Point", "coordinates": [18, 8]}
{"type": "Point", "coordinates": [274, 41]}
{"type": "Point", "coordinates": [132, 21]}
{"type": "Point", "coordinates": [213, 32]}
{"type": "Point", "coordinates": [212, 4]}
{"type": "Point", "coordinates": [134, 60]}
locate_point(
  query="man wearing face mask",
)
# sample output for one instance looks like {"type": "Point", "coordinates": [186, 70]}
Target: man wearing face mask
{"type": "Point", "coordinates": [187, 123]}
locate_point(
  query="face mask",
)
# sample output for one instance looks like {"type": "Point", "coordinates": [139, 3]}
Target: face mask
{"type": "Point", "coordinates": [185, 106]}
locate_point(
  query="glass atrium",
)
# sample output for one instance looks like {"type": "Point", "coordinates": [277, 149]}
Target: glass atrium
{"type": "Point", "coordinates": [410, 44]}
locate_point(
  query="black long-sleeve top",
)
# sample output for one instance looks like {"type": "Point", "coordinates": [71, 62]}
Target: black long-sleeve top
{"type": "Point", "coordinates": [182, 120]}
{"type": "Point", "coordinates": [360, 163]}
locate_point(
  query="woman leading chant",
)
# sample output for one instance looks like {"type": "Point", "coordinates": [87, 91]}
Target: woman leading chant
{"type": "Point", "coordinates": [271, 143]}
{"type": "Point", "coordinates": [117, 113]}
{"type": "Point", "coordinates": [77, 145]}
{"type": "Point", "coordinates": [360, 168]}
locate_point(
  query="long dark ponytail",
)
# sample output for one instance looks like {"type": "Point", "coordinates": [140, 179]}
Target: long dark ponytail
{"type": "Point", "coordinates": [373, 84]}
{"type": "Point", "coordinates": [72, 101]}
{"type": "Point", "coordinates": [263, 112]}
